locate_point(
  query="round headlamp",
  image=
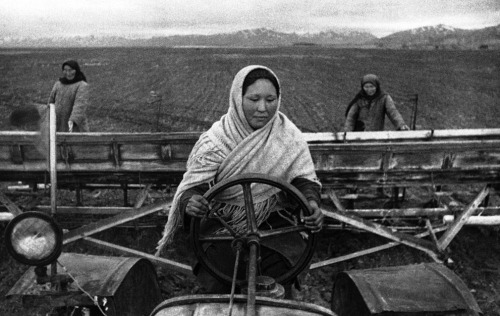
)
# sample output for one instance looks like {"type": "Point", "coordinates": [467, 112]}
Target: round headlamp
{"type": "Point", "coordinates": [33, 238]}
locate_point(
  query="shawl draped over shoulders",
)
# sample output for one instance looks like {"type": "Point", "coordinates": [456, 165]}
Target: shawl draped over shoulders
{"type": "Point", "coordinates": [231, 147]}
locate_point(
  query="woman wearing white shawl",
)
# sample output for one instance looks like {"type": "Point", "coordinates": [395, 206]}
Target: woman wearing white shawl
{"type": "Point", "coordinates": [253, 137]}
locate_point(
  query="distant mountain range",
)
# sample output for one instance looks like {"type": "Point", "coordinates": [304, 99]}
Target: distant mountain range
{"type": "Point", "coordinates": [442, 36]}
{"type": "Point", "coordinates": [429, 37]}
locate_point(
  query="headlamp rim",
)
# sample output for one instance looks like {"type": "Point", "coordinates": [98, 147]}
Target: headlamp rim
{"type": "Point", "coordinates": [52, 257]}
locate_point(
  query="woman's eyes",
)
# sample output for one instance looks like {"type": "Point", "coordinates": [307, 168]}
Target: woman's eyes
{"type": "Point", "coordinates": [255, 99]}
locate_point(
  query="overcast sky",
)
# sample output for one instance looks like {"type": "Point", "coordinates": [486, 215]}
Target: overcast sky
{"type": "Point", "coordinates": [146, 18]}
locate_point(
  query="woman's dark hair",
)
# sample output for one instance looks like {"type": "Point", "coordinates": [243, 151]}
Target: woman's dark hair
{"type": "Point", "coordinates": [79, 76]}
{"type": "Point", "coordinates": [370, 78]}
{"type": "Point", "coordinates": [257, 74]}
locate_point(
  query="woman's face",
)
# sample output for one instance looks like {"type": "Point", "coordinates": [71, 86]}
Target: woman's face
{"type": "Point", "coordinates": [369, 88]}
{"type": "Point", "coordinates": [260, 102]}
{"type": "Point", "coordinates": [69, 73]}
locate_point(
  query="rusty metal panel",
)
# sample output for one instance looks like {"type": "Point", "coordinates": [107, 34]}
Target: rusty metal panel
{"type": "Point", "coordinates": [421, 288]}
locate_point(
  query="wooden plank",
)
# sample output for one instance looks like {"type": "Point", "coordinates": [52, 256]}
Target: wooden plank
{"type": "Point", "coordinates": [475, 138]}
{"type": "Point", "coordinates": [6, 216]}
{"type": "Point", "coordinates": [407, 146]}
{"type": "Point", "coordinates": [336, 179]}
{"type": "Point", "coordinates": [396, 212]}
{"type": "Point", "coordinates": [16, 136]}
{"type": "Point", "coordinates": [169, 264]}
{"type": "Point", "coordinates": [381, 230]}
{"type": "Point", "coordinates": [111, 222]}
{"type": "Point", "coordinates": [481, 132]}
{"type": "Point", "coordinates": [448, 236]}
{"type": "Point", "coordinates": [11, 206]}
{"type": "Point", "coordinates": [181, 137]}
{"type": "Point", "coordinates": [116, 177]}
{"type": "Point", "coordinates": [96, 166]}
{"type": "Point", "coordinates": [339, 179]}
{"type": "Point", "coordinates": [142, 152]}
{"type": "Point", "coordinates": [399, 135]}
{"type": "Point", "coordinates": [89, 210]}
{"type": "Point", "coordinates": [377, 213]}
{"type": "Point", "coordinates": [492, 220]}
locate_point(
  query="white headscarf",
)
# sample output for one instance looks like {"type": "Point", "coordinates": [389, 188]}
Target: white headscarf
{"type": "Point", "coordinates": [277, 149]}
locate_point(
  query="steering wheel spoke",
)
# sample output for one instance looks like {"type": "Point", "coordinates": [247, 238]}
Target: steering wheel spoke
{"type": "Point", "coordinates": [253, 235]}
{"type": "Point", "coordinates": [263, 234]}
{"type": "Point", "coordinates": [250, 212]}
{"type": "Point", "coordinates": [215, 238]}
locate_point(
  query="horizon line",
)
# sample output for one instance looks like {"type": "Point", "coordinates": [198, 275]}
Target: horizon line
{"type": "Point", "coordinates": [151, 36]}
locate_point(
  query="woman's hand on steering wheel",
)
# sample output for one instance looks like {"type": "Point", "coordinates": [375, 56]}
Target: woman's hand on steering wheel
{"type": "Point", "coordinates": [315, 221]}
{"type": "Point", "coordinates": [197, 206]}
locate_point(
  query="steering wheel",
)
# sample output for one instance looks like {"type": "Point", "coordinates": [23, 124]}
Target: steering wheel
{"type": "Point", "coordinates": [201, 239]}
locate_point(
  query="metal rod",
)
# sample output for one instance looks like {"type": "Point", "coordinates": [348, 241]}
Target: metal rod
{"type": "Point", "coordinates": [53, 172]}
{"type": "Point", "coordinates": [235, 273]}
{"type": "Point", "coordinates": [52, 157]}
{"type": "Point", "coordinates": [252, 274]}
{"type": "Point", "coordinates": [414, 114]}
{"type": "Point", "coordinates": [252, 260]}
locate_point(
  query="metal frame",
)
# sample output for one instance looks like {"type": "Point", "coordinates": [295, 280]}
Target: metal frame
{"type": "Point", "coordinates": [380, 159]}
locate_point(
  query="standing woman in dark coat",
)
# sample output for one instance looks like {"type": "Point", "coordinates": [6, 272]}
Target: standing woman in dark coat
{"type": "Point", "coordinates": [367, 111]}
{"type": "Point", "coordinates": [70, 95]}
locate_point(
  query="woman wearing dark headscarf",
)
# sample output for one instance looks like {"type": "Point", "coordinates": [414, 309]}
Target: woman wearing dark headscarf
{"type": "Point", "coordinates": [70, 95]}
{"type": "Point", "coordinates": [367, 111]}
{"type": "Point", "coordinates": [253, 137]}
